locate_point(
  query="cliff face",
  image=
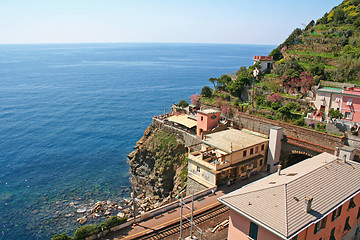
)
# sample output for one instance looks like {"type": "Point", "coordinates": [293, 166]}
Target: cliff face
{"type": "Point", "coordinates": [158, 164]}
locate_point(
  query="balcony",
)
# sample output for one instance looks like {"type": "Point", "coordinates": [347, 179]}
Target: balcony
{"type": "Point", "coordinates": [213, 159]}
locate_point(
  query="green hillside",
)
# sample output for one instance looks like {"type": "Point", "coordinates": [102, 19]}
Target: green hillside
{"type": "Point", "coordinates": [329, 48]}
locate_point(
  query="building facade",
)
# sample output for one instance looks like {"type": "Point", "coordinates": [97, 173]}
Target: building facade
{"type": "Point", "coordinates": [317, 198]}
{"type": "Point", "coordinates": [206, 120]}
{"type": "Point", "coordinates": [227, 155]}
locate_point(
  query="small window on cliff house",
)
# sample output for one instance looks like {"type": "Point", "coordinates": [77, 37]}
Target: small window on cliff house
{"type": "Point", "coordinates": [251, 151]}
{"type": "Point", "coordinates": [244, 153]}
{"type": "Point", "coordinates": [348, 115]}
{"type": "Point", "coordinates": [256, 149]}
{"type": "Point", "coordinates": [198, 169]}
{"type": "Point", "coordinates": [262, 147]}
{"type": "Point", "coordinates": [202, 118]}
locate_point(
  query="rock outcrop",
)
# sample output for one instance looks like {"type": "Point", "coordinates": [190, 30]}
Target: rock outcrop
{"type": "Point", "coordinates": [158, 165]}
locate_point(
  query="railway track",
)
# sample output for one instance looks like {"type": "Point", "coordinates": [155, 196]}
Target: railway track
{"type": "Point", "coordinates": [175, 228]}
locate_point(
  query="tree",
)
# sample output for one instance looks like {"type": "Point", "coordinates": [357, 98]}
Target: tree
{"type": "Point", "coordinates": [310, 25]}
{"type": "Point", "coordinates": [213, 81]}
{"type": "Point", "coordinates": [224, 80]}
{"type": "Point", "coordinates": [335, 114]}
{"type": "Point", "coordinates": [276, 54]}
{"type": "Point", "coordinates": [62, 236]}
{"type": "Point", "coordinates": [195, 99]}
{"type": "Point", "coordinates": [206, 92]}
{"type": "Point", "coordinates": [183, 104]}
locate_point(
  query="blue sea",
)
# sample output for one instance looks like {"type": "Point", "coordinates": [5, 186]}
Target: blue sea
{"type": "Point", "coordinates": [71, 113]}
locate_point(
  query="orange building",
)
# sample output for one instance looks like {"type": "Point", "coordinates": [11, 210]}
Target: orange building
{"type": "Point", "coordinates": [206, 120]}
{"type": "Point", "coordinates": [317, 198]}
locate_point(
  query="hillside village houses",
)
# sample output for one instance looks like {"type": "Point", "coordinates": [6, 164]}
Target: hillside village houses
{"type": "Point", "coordinates": [346, 100]}
{"type": "Point", "coordinates": [266, 63]}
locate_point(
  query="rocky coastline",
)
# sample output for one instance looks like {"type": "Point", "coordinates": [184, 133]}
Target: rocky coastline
{"type": "Point", "coordinates": [158, 167]}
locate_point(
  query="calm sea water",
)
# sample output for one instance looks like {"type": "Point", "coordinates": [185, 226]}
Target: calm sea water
{"type": "Point", "coordinates": [70, 114]}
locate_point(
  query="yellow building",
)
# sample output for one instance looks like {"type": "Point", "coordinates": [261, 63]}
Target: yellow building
{"type": "Point", "coordinates": [227, 155]}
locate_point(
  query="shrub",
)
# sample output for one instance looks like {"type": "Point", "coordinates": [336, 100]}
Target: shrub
{"type": "Point", "coordinates": [300, 122]}
{"type": "Point", "coordinates": [62, 236]}
{"type": "Point", "coordinates": [113, 221]}
{"type": "Point", "coordinates": [206, 92]}
{"type": "Point", "coordinates": [275, 105]}
{"type": "Point", "coordinates": [237, 102]}
{"type": "Point", "coordinates": [276, 97]}
{"type": "Point", "coordinates": [85, 231]}
{"type": "Point", "coordinates": [183, 104]}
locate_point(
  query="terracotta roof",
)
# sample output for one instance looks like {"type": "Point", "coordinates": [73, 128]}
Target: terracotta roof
{"type": "Point", "coordinates": [263, 58]}
{"type": "Point", "coordinates": [278, 201]}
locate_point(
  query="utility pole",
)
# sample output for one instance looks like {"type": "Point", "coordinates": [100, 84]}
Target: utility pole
{"type": "Point", "coordinates": [192, 216]}
{"type": "Point", "coordinates": [134, 206]}
{"type": "Point", "coordinates": [181, 215]}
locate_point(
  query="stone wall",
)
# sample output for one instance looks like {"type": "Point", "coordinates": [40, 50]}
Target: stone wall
{"type": "Point", "coordinates": [189, 139]}
{"type": "Point", "coordinates": [263, 125]}
{"type": "Point", "coordinates": [193, 186]}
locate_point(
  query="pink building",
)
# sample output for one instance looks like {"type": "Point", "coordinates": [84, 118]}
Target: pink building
{"type": "Point", "coordinates": [206, 120]}
{"type": "Point", "coordinates": [317, 198]}
{"type": "Point", "coordinates": [350, 105]}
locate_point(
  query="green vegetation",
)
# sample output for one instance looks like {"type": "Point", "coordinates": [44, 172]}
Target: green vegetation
{"type": "Point", "coordinates": [183, 104]}
{"type": "Point", "coordinates": [88, 230]}
{"type": "Point", "coordinates": [206, 92]}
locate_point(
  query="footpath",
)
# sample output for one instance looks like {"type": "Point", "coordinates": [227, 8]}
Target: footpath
{"type": "Point", "coordinates": [173, 216]}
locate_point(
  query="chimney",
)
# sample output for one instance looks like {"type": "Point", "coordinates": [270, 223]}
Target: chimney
{"type": "Point", "coordinates": [308, 202]}
{"type": "Point", "coordinates": [279, 169]}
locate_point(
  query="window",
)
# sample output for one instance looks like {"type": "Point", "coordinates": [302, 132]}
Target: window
{"type": "Point", "coordinates": [213, 117]}
{"type": "Point", "coordinates": [262, 147]}
{"type": "Point", "coordinates": [349, 102]}
{"type": "Point", "coordinates": [198, 169]}
{"type": "Point", "coordinates": [244, 153]}
{"type": "Point", "coordinates": [202, 118]}
{"type": "Point", "coordinates": [320, 225]}
{"type": "Point", "coordinates": [347, 225]}
{"type": "Point", "coordinates": [251, 151]}
{"type": "Point", "coordinates": [358, 216]}
{"type": "Point", "coordinates": [257, 149]}
{"type": "Point", "coordinates": [261, 162]}
{"type": "Point", "coordinates": [336, 213]}
{"type": "Point", "coordinates": [332, 236]}
{"type": "Point", "coordinates": [351, 203]}
{"type": "Point", "coordinates": [348, 115]}
{"type": "Point", "coordinates": [253, 232]}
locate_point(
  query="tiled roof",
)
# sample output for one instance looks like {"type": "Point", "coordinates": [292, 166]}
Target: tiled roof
{"type": "Point", "coordinates": [278, 201]}
{"type": "Point", "coordinates": [263, 58]}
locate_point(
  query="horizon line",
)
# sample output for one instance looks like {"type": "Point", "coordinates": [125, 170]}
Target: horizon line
{"type": "Point", "coordinates": [57, 43]}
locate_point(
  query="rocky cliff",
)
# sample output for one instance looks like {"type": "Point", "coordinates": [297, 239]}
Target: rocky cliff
{"type": "Point", "coordinates": [158, 165]}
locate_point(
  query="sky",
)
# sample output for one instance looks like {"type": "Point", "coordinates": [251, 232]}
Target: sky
{"type": "Point", "coordinates": [189, 21]}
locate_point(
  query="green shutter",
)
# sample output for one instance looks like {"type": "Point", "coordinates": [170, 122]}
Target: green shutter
{"type": "Point", "coordinates": [332, 236]}
{"type": "Point", "coordinates": [347, 225]}
{"type": "Point", "coordinates": [253, 231]}
{"type": "Point", "coordinates": [352, 203]}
